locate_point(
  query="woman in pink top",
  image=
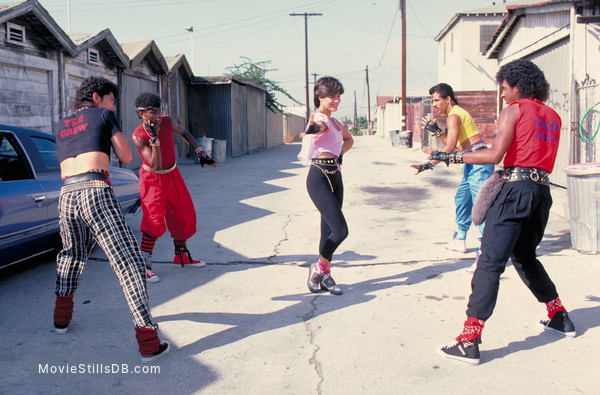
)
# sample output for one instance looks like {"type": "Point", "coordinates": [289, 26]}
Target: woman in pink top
{"type": "Point", "coordinates": [324, 180]}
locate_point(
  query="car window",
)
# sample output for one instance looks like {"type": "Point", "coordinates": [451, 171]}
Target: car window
{"type": "Point", "coordinates": [47, 149]}
{"type": "Point", "coordinates": [12, 163]}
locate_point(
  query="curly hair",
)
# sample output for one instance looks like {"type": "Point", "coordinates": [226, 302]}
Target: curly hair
{"type": "Point", "coordinates": [147, 99]}
{"type": "Point", "coordinates": [525, 75]}
{"type": "Point", "coordinates": [327, 87]}
{"type": "Point", "coordinates": [444, 90]}
{"type": "Point", "coordinates": [91, 85]}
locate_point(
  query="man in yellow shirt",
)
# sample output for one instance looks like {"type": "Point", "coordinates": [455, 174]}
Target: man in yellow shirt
{"type": "Point", "coordinates": [462, 135]}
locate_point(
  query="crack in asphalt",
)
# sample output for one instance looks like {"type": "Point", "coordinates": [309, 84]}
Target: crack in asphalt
{"type": "Point", "coordinates": [284, 239]}
{"type": "Point", "coordinates": [314, 360]}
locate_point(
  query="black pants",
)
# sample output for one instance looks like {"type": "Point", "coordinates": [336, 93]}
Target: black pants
{"type": "Point", "coordinates": [514, 226]}
{"type": "Point", "coordinates": [326, 190]}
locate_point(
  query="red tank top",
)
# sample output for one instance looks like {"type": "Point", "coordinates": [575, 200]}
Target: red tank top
{"type": "Point", "coordinates": [165, 135]}
{"type": "Point", "coordinates": [537, 133]}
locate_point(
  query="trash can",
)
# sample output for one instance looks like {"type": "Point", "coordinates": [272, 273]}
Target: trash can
{"type": "Point", "coordinates": [405, 139]}
{"type": "Point", "coordinates": [207, 144]}
{"type": "Point", "coordinates": [583, 186]}
{"type": "Point", "coordinates": [219, 150]}
{"type": "Point", "coordinates": [395, 137]}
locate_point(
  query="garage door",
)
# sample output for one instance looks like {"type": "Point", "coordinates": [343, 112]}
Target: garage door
{"type": "Point", "coordinates": [26, 97]}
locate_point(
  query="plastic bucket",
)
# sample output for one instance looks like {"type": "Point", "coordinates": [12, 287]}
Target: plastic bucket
{"type": "Point", "coordinates": [583, 190]}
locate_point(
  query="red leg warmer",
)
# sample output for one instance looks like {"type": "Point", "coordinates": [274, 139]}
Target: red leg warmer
{"type": "Point", "coordinates": [63, 311]}
{"type": "Point", "coordinates": [148, 340]}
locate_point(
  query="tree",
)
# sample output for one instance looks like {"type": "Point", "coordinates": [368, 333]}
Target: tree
{"type": "Point", "coordinates": [256, 72]}
{"type": "Point", "coordinates": [361, 123]}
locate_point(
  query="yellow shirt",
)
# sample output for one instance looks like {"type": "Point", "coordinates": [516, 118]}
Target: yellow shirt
{"type": "Point", "coordinates": [467, 125]}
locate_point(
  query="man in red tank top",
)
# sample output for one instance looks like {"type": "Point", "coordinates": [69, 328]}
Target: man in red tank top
{"type": "Point", "coordinates": [527, 140]}
{"type": "Point", "coordinates": [166, 201]}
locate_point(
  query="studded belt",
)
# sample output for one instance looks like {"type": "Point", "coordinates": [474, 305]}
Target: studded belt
{"type": "Point", "coordinates": [534, 174]}
{"type": "Point", "coordinates": [324, 161]}
{"type": "Point", "coordinates": [163, 171]}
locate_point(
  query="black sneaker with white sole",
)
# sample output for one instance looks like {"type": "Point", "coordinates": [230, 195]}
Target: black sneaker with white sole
{"type": "Point", "coordinates": [61, 329]}
{"type": "Point", "coordinates": [560, 323]}
{"type": "Point", "coordinates": [163, 349]}
{"type": "Point", "coordinates": [467, 352]}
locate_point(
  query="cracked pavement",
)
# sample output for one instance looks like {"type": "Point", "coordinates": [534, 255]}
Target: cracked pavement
{"type": "Point", "coordinates": [247, 324]}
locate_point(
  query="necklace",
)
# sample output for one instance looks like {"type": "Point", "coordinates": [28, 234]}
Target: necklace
{"type": "Point", "coordinates": [82, 108]}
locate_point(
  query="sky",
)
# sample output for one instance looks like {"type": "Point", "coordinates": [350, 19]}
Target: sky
{"type": "Point", "coordinates": [348, 37]}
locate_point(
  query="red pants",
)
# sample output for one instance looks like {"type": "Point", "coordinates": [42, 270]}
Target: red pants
{"type": "Point", "coordinates": [165, 197]}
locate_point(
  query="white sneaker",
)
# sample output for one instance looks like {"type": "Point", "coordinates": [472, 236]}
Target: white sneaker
{"type": "Point", "coordinates": [151, 277]}
{"type": "Point", "coordinates": [471, 269]}
{"type": "Point", "coordinates": [458, 245]}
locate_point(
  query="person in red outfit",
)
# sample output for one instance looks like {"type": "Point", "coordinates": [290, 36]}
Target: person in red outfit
{"type": "Point", "coordinates": [166, 201]}
{"type": "Point", "coordinates": [527, 142]}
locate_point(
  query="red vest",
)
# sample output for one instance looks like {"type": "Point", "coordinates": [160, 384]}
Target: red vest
{"type": "Point", "coordinates": [165, 135]}
{"type": "Point", "coordinates": [537, 133]}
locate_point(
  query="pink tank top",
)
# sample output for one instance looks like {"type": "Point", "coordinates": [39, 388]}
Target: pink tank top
{"type": "Point", "coordinates": [330, 142]}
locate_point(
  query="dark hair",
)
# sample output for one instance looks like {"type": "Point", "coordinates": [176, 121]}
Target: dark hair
{"type": "Point", "coordinates": [525, 75]}
{"type": "Point", "coordinates": [147, 99]}
{"type": "Point", "coordinates": [327, 87]}
{"type": "Point", "coordinates": [91, 85]}
{"type": "Point", "coordinates": [444, 90]}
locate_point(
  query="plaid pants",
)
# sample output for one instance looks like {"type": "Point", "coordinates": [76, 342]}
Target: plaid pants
{"type": "Point", "coordinates": [89, 212]}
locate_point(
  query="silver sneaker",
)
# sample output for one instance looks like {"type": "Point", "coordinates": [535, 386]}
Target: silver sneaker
{"type": "Point", "coordinates": [315, 275]}
{"type": "Point", "coordinates": [328, 284]}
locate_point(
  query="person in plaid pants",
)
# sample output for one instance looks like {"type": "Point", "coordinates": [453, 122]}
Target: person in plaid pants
{"type": "Point", "coordinates": [89, 211]}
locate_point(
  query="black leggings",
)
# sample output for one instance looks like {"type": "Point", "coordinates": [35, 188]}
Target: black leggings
{"type": "Point", "coordinates": [327, 193]}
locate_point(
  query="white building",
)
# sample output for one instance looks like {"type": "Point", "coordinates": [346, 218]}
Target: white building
{"type": "Point", "coordinates": [462, 43]}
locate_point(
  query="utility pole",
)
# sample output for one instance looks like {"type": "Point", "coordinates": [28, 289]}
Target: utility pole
{"type": "Point", "coordinates": [191, 30]}
{"type": "Point", "coordinates": [355, 118]}
{"type": "Point", "coordinates": [306, 15]}
{"type": "Point", "coordinates": [368, 102]}
{"type": "Point", "coordinates": [403, 10]}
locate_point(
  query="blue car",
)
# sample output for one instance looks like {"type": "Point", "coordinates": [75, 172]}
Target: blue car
{"type": "Point", "coordinates": [29, 189]}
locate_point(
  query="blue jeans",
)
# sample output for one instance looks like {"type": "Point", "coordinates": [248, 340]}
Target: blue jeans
{"type": "Point", "coordinates": [473, 178]}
